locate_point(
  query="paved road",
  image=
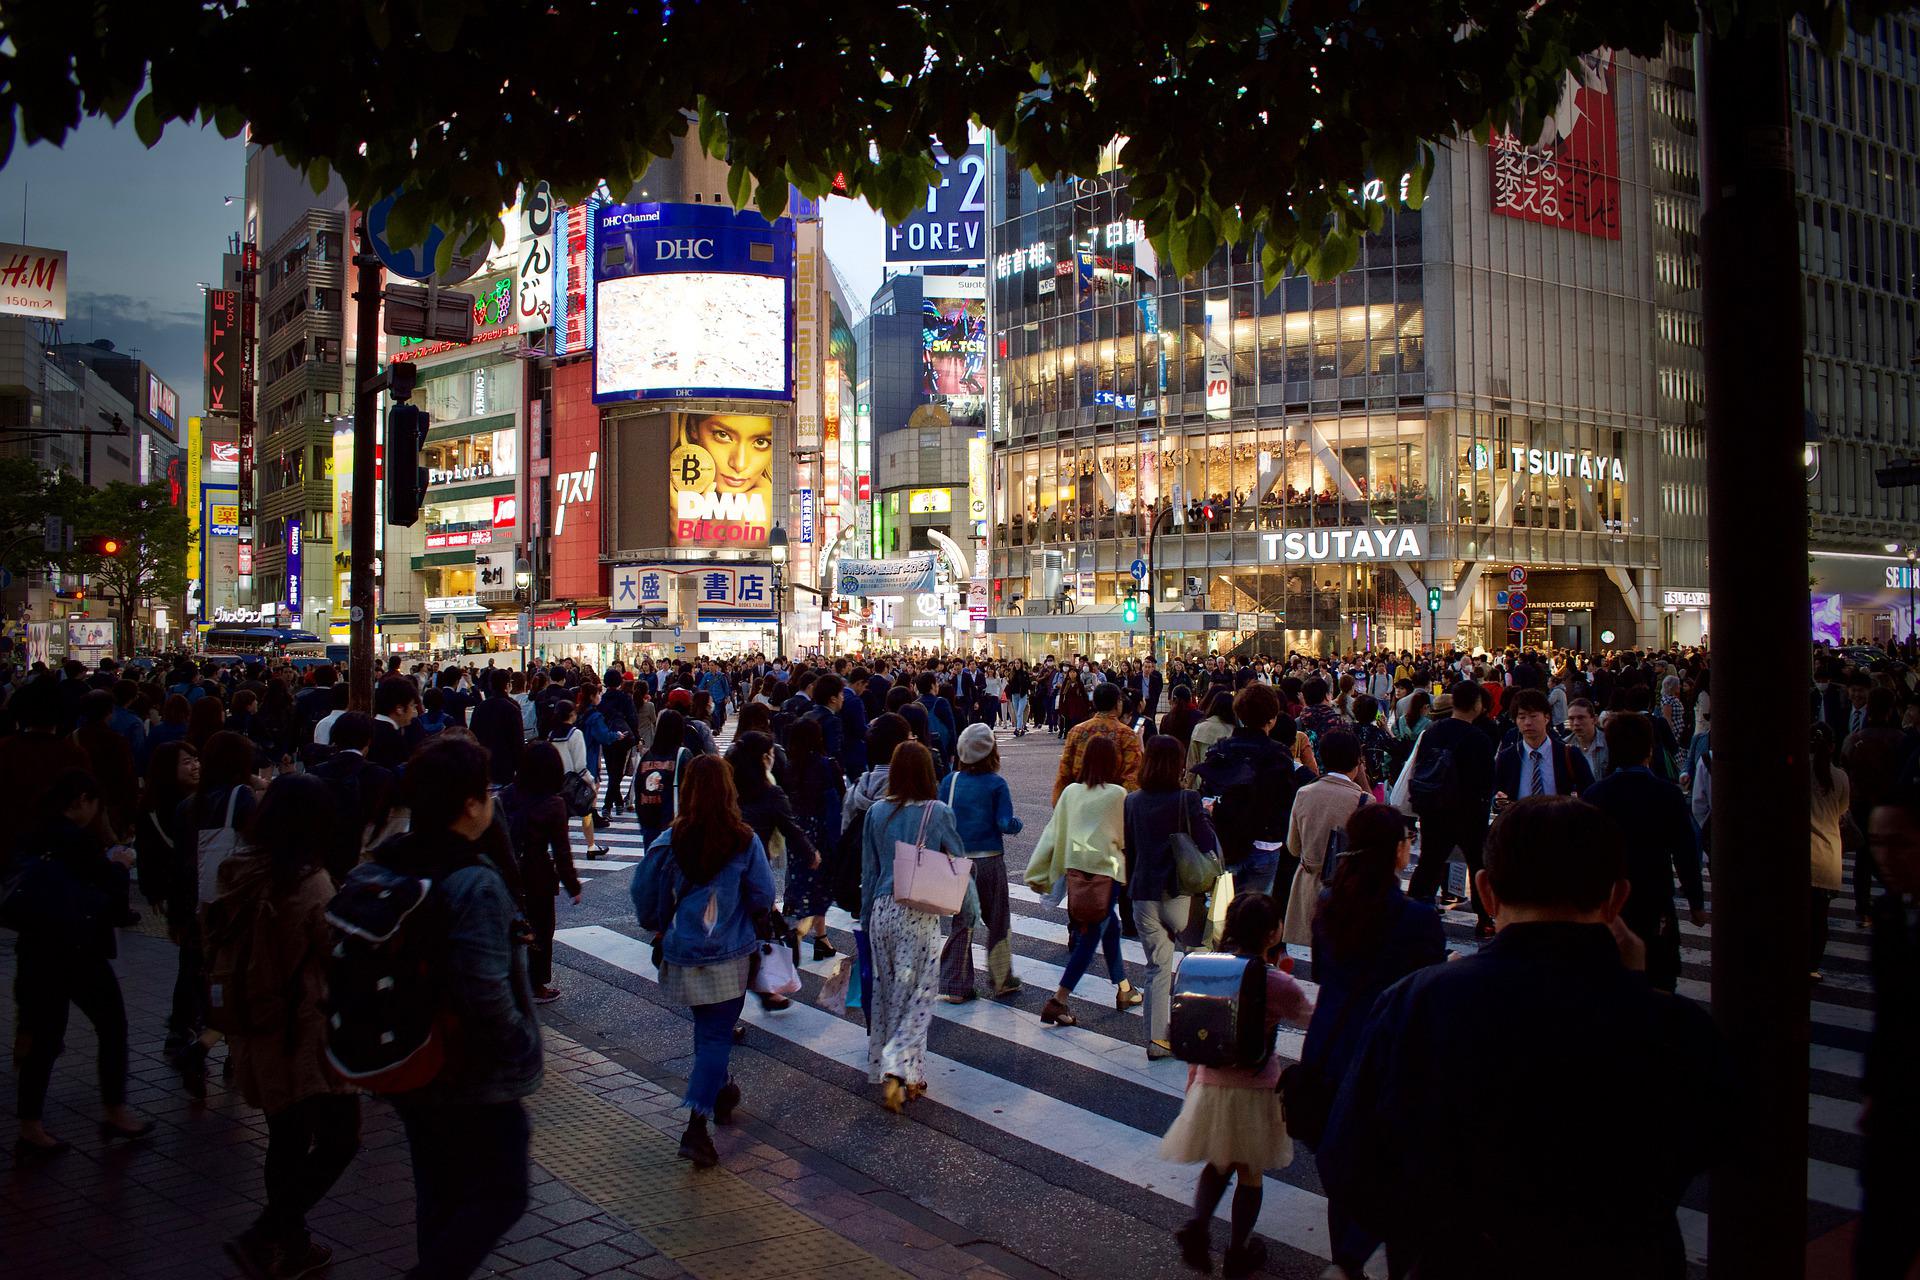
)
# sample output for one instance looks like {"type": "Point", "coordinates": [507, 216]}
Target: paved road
{"type": "Point", "coordinates": [1047, 1138]}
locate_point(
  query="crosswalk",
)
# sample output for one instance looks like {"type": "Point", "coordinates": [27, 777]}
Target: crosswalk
{"type": "Point", "coordinates": [1104, 1057]}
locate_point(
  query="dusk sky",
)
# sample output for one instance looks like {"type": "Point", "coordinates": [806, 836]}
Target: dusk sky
{"type": "Point", "coordinates": [142, 227]}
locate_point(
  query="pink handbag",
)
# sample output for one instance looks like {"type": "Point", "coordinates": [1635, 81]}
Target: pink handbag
{"type": "Point", "coordinates": [927, 879]}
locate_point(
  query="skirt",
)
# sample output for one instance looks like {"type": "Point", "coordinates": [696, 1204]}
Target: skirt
{"type": "Point", "coordinates": [699, 984]}
{"type": "Point", "coordinates": [1223, 1125]}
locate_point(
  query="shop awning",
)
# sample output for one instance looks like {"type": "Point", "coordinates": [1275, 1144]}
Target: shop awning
{"type": "Point", "coordinates": [1080, 624]}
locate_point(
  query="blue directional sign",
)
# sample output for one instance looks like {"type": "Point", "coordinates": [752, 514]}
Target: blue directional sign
{"type": "Point", "coordinates": [1139, 570]}
{"type": "Point", "coordinates": [414, 262]}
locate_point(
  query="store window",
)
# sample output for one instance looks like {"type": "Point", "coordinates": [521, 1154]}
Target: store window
{"type": "Point", "coordinates": [484, 456]}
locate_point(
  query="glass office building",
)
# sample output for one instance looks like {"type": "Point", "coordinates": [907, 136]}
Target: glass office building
{"type": "Point", "coordinates": [1486, 390]}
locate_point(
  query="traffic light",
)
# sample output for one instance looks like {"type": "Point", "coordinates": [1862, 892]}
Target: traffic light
{"type": "Point", "coordinates": [78, 593]}
{"type": "Point", "coordinates": [1130, 608]}
{"type": "Point", "coordinates": [573, 615]}
{"type": "Point", "coordinates": [1433, 599]}
{"type": "Point", "coordinates": [407, 426]}
{"type": "Point", "coordinates": [101, 544]}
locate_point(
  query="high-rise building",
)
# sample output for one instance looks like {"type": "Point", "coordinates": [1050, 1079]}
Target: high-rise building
{"type": "Point", "coordinates": [1483, 408]}
{"type": "Point", "coordinates": [1857, 162]}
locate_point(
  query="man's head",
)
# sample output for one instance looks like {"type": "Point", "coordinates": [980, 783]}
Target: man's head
{"type": "Point", "coordinates": [1531, 715]}
{"type": "Point", "coordinates": [1629, 740]}
{"type": "Point", "coordinates": [1466, 700]}
{"type": "Point", "coordinates": [1106, 698]}
{"type": "Point", "coordinates": [446, 783]}
{"type": "Point", "coordinates": [352, 731]}
{"type": "Point", "coordinates": [827, 690]}
{"type": "Point", "coordinates": [1314, 692]}
{"type": "Point", "coordinates": [924, 682]}
{"type": "Point", "coordinates": [1859, 685]}
{"type": "Point", "coordinates": [1340, 753]}
{"type": "Point", "coordinates": [1893, 833]}
{"type": "Point", "coordinates": [1256, 706]}
{"type": "Point", "coordinates": [396, 698]}
{"type": "Point", "coordinates": [1580, 719]}
{"type": "Point", "coordinates": [1553, 858]}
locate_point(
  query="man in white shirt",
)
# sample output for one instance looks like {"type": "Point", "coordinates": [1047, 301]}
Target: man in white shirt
{"type": "Point", "coordinates": [323, 728]}
{"type": "Point", "coordinates": [1583, 734]}
{"type": "Point", "coordinates": [1536, 765]}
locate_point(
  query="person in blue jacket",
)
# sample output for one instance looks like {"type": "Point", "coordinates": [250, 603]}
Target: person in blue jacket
{"type": "Point", "coordinates": [983, 810]}
{"type": "Point", "coordinates": [703, 889]}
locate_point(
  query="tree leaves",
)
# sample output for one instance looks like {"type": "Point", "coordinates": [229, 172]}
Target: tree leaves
{"type": "Point", "coordinates": [1241, 116]}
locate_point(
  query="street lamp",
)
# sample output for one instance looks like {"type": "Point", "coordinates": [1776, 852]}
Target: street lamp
{"type": "Point", "coordinates": [777, 546]}
{"type": "Point", "coordinates": [522, 582]}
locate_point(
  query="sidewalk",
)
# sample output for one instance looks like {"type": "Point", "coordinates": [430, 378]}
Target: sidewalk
{"type": "Point", "coordinates": [609, 1198]}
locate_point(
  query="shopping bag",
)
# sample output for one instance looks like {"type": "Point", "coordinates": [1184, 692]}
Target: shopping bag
{"type": "Point", "coordinates": [927, 879]}
{"type": "Point", "coordinates": [773, 972]}
{"type": "Point", "coordinates": [1217, 909]}
{"type": "Point", "coordinates": [833, 993]}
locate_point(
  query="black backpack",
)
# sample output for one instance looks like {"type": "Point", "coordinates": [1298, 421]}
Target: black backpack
{"type": "Point", "coordinates": [1433, 789]}
{"type": "Point", "coordinates": [843, 866]}
{"type": "Point", "coordinates": [1253, 803]}
{"type": "Point", "coordinates": [386, 1031]}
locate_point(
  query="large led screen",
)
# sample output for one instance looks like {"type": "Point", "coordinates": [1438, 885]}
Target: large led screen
{"type": "Point", "coordinates": [704, 332]}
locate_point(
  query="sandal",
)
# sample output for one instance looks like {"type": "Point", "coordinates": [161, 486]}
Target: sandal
{"type": "Point", "coordinates": [1126, 996]}
{"type": "Point", "coordinates": [1055, 1014]}
{"type": "Point", "coordinates": [893, 1095]}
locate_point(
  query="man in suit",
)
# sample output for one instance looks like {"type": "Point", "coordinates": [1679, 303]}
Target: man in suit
{"type": "Point", "coordinates": [1889, 1235]}
{"type": "Point", "coordinates": [853, 724]}
{"type": "Point", "coordinates": [396, 705]}
{"type": "Point", "coordinates": [1828, 700]}
{"type": "Point", "coordinates": [939, 712]}
{"type": "Point", "coordinates": [1151, 685]}
{"type": "Point", "coordinates": [829, 700]}
{"type": "Point", "coordinates": [873, 694]}
{"type": "Point", "coordinates": [363, 792]}
{"type": "Point", "coordinates": [498, 725]}
{"type": "Point", "coordinates": [1659, 838]}
{"type": "Point", "coordinates": [1536, 763]}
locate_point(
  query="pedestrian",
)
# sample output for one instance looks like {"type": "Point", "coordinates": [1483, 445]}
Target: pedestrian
{"type": "Point", "coordinates": [173, 774]}
{"type": "Point", "coordinates": [568, 739]}
{"type": "Point", "coordinates": [657, 776]}
{"type": "Point", "coordinates": [765, 808]}
{"type": "Point", "coordinates": [1087, 835]}
{"type": "Point", "coordinates": [498, 725]}
{"type": "Point", "coordinates": [536, 819]}
{"type": "Point", "coordinates": [983, 811]}
{"type": "Point", "coordinates": [1153, 815]}
{"type": "Point", "coordinates": [817, 790]}
{"type": "Point", "coordinates": [1830, 800]}
{"type": "Point", "coordinates": [1547, 1016]}
{"type": "Point", "coordinates": [1104, 723]}
{"type": "Point", "coordinates": [1230, 1120]}
{"type": "Point", "coordinates": [68, 892]}
{"type": "Point", "coordinates": [903, 939]}
{"type": "Point", "coordinates": [1316, 833]}
{"type": "Point", "coordinates": [1888, 1241]}
{"type": "Point", "coordinates": [1451, 790]}
{"type": "Point", "coordinates": [208, 825]}
{"type": "Point", "coordinates": [703, 888]}
{"type": "Point", "coordinates": [467, 1130]}
{"type": "Point", "coordinates": [616, 706]}
{"type": "Point", "coordinates": [1367, 935]}
{"type": "Point", "coordinates": [1019, 688]}
{"type": "Point", "coordinates": [1217, 726]}
{"type": "Point", "coordinates": [267, 942]}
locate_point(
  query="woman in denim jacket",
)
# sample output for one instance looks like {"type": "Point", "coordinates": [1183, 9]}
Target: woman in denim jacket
{"type": "Point", "coordinates": [703, 889]}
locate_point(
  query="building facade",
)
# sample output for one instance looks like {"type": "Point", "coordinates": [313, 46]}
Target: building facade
{"type": "Point", "coordinates": [1857, 161]}
{"type": "Point", "coordinates": [1475, 408]}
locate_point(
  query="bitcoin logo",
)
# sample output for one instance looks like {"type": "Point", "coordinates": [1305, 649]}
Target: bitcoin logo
{"type": "Point", "coordinates": [690, 467]}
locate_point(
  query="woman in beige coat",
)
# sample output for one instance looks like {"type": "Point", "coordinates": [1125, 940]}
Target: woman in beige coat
{"type": "Point", "coordinates": [267, 935]}
{"type": "Point", "coordinates": [1320, 809]}
{"type": "Point", "coordinates": [1831, 796]}
{"type": "Point", "coordinates": [1085, 844]}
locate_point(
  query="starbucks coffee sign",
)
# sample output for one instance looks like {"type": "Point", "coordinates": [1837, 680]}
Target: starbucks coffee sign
{"type": "Point", "coordinates": [1357, 545]}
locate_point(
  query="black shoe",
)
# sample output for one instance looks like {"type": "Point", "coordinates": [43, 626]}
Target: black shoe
{"type": "Point", "coordinates": [191, 1063]}
{"type": "Point", "coordinates": [111, 1132]}
{"type": "Point", "coordinates": [723, 1106]}
{"type": "Point", "coordinates": [696, 1144]}
{"type": "Point", "coordinates": [1245, 1260]}
{"type": "Point", "coordinates": [823, 949]}
{"type": "Point", "coordinates": [25, 1152]}
{"type": "Point", "coordinates": [1196, 1249]}
{"type": "Point", "coordinates": [774, 1003]}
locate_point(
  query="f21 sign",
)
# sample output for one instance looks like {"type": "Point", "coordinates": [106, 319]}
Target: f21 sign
{"type": "Point", "coordinates": [951, 226]}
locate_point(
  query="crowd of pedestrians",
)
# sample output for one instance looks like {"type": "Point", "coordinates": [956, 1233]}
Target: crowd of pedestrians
{"type": "Point", "coordinates": [1239, 804]}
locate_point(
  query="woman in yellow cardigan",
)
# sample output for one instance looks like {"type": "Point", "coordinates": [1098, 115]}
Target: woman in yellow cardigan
{"type": "Point", "coordinates": [1085, 841]}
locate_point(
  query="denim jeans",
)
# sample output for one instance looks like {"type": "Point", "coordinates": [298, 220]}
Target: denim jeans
{"type": "Point", "coordinates": [310, 1143]}
{"type": "Point", "coordinates": [1159, 922]}
{"type": "Point", "coordinates": [712, 1049]}
{"type": "Point", "coordinates": [1085, 942]}
{"type": "Point", "coordinates": [469, 1181]}
{"type": "Point", "coordinates": [1017, 711]}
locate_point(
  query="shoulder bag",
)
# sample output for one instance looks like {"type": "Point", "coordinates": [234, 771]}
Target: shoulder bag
{"type": "Point", "coordinates": [1194, 869]}
{"type": "Point", "coordinates": [215, 847]}
{"type": "Point", "coordinates": [929, 880]}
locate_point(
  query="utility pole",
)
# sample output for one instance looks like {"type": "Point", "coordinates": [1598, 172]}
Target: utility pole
{"type": "Point", "coordinates": [1153, 584]}
{"type": "Point", "coordinates": [1755, 430]}
{"type": "Point", "coordinates": [366, 489]}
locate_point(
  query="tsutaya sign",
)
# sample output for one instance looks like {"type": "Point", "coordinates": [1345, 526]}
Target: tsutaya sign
{"type": "Point", "coordinates": [1342, 546]}
{"type": "Point", "coordinates": [1571, 463]}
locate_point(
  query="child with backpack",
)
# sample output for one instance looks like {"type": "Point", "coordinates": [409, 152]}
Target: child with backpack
{"type": "Point", "coordinates": [1231, 1118]}
{"type": "Point", "coordinates": [267, 941]}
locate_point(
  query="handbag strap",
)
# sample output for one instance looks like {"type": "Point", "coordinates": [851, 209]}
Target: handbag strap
{"type": "Point", "coordinates": [926, 812]}
{"type": "Point", "coordinates": [233, 799]}
{"type": "Point", "coordinates": [953, 785]}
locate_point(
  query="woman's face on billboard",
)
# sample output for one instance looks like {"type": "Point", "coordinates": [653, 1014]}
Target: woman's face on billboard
{"type": "Point", "coordinates": [742, 449]}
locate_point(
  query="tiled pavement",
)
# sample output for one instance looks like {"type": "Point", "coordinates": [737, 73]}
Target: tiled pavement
{"type": "Point", "coordinates": [609, 1196]}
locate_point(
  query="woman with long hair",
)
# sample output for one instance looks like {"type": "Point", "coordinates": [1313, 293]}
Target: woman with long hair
{"type": "Point", "coordinates": [657, 774]}
{"type": "Point", "coordinates": [207, 717]}
{"type": "Point", "coordinates": [271, 908]}
{"type": "Point", "coordinates": [536, 818]}
{"type": "Point", "coordinates": [904, 939]}
{"type": "Point", "coordinates": [1153, 815]}
{"type": "Point", "coordinates": [1217, 727]}
{"type": "Point", "coordinates": [1832, 793]}
{"type": "Point", "coordinates": [173, 773]}
{"type": "Point", "coordinates": [1367, 935]}
{"type": "Point", "coordinates": [571, 743]}
{"type": "Point", "coordinates": [703, 888]}
{"type": "Point", "coordinates": [1087, 834]}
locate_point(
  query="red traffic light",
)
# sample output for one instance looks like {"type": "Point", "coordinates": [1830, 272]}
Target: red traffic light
{"type": "Point", "coordinates": [102, 545]}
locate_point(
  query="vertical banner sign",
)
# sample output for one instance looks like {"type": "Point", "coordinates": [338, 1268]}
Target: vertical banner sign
{"type": "Point", "coordinates": [806, 314]}
{"type": "Point", "coordinates": [223, 350]}
{"type": "Point", "coordinates": [806, 516]}
{"type": "Point", "coordinates": [573, 278]}
{"type": "Point", "coordinates": [533, 293]}
{"type": "Point", "coordinates": [830, 435]}
{"type": "Point", "coordinates": [977, 485]}
{"type": "Point", "coordinates": [1570, 177]}
{"type": "Point", "coordinates": [295, 605]}
{"type": "Point", "coordinates": [1219, 378]}
{"type": "Point", "coordinates": [196, 531]}
{"type": "Point", "coordinates": [249, 297]}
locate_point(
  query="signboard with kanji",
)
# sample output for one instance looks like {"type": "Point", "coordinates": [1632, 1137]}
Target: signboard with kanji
{"type": "Point", "coordinates": [723, 588]}
{"type": "Point", "coordinates": [1570, 177]}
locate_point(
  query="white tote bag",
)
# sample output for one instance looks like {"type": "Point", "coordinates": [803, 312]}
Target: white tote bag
{"type": "Point", "coordinates": [927, 879]}
{"type": "Point", "coordinates": [773, 971]}
{"type": "Point", "coordinates": [216, 846]}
